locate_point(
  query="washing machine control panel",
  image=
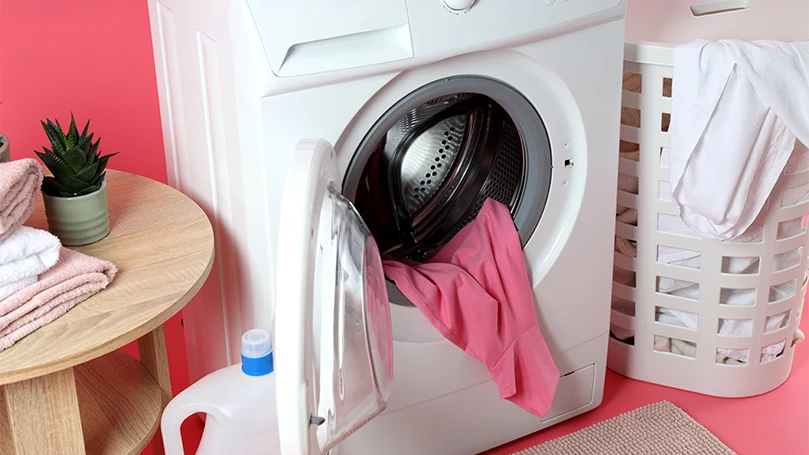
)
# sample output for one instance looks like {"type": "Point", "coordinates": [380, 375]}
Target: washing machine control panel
{"type": "Point", "coordinates": [323, 36]}
{"type": "Point", "coordinates": [477, 23]}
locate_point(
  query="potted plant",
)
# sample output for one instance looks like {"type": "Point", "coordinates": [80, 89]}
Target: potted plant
{"type": "Point", "coordinates": [75, 194]}
{"type": "Point", "coordinates": [5, 155]}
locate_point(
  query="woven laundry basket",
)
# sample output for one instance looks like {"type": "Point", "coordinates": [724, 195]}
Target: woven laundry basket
{"type": "Point", "coordinates": [719, 318]}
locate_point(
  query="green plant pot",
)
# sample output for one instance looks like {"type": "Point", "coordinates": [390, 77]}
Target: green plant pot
{"type": "Point", "coordinates": [78, 220]}
{"type": "Point", "coordinates": [5, 155]}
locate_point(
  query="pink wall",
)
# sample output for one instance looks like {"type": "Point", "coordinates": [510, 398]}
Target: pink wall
{"type": "Point", "coordinates": [93, 57]}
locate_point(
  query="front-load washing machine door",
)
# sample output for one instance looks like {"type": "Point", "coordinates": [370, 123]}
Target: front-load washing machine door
{"type": "Point", "coordinates": [333, 339]}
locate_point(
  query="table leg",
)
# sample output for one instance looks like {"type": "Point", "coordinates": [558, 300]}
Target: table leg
{"type": "Point", "coordinates": [6, 440]}
{"type": "Point", "coordinates": [152, 350]}
{"type": "Point", "coordinates": [43, 415]}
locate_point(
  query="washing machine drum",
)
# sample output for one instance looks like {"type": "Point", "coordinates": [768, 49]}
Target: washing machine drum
{"type": "Point", "coordinates": [433, 170]}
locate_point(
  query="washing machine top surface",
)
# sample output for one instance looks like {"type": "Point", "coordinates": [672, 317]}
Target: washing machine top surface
{"type": "Point", "coordinates": [674, 22]}
{"type": "Point", "coordinates": [320, 36]}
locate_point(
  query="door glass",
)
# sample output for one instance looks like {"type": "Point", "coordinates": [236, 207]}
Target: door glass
{"type": "Point", "coordinates": [356, 358]}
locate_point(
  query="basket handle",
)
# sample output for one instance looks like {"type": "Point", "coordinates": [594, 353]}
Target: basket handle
{"type": "Point", "coordinates": [719, 6]}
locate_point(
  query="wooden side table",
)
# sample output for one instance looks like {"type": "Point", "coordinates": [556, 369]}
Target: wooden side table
{"type": "Point", "coordinates": [66, 389]}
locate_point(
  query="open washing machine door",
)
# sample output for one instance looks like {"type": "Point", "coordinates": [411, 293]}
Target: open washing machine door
{"type": "Point", "coordinates": [333, 340]}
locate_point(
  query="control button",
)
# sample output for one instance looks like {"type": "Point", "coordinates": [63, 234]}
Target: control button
{"type": "Point", "coordinates": [458, 6]}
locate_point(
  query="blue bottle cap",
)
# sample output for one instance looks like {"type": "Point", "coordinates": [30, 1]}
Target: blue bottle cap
{"type": "Point", "coordinates": [257, 359]}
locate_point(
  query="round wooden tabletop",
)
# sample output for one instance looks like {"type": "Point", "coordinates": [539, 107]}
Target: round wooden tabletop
{"type": "Point", "coordinates": [162, 244]}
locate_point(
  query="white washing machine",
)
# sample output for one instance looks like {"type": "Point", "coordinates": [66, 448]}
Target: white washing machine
{"type": "Point", "coordinates": [320, 135]}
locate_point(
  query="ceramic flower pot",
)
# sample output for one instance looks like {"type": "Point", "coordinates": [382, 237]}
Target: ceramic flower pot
{"type": "Point", "coordinates": [78, 220]}
{"type": "Point", "coordinates": [5, 156]}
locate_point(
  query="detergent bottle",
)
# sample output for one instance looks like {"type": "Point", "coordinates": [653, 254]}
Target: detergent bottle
{"type": "Point", "coordinates": [239, 401]}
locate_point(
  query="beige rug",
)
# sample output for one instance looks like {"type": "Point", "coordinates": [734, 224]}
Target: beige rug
{"type": "Point", "coordinates": [656, 429]}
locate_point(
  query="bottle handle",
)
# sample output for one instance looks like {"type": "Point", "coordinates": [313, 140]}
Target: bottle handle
{"type": "Point", "coordinates": [173, 417]}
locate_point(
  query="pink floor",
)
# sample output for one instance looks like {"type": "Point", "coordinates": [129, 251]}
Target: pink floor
{"type": "Point", "coordinates": [776, 423]}
{"type": "Point", "coordinates": [772, 424]}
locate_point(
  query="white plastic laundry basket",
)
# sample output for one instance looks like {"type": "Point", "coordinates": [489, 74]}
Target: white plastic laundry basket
{"type": "Point", "coordinates": [719, 318]}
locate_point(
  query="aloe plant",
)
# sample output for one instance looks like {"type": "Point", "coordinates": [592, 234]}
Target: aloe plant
{"type": "Point", "coordinates": [74, 160]}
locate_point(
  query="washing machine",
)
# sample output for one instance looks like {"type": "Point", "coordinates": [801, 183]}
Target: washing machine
{"type": "Point", "coordinates": [320, 136]}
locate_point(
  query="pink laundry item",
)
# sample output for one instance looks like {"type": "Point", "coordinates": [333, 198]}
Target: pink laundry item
{"type": "Point", "coordinates": [20, 182]}
{"type": "Point", "coordinates": [476, 292]}
{"type": "Point", "coordinates": [73, 279]}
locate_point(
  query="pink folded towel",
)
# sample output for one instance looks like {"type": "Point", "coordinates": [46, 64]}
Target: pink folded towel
{"type": "Point", "coordinates": [476, 292]}
{"type": "Point", "coordinates": [20, 182]}
{"type": "Point", "coordinates": [72, 280]}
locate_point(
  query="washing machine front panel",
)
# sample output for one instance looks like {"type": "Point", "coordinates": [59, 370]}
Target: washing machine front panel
{"type": "Point", "coordinates": [333, 339]}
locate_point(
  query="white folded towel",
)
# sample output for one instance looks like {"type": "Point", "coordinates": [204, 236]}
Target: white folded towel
{"type": "Point", "coordinates": [12, 288]}
{"type": "Point", "coordinates": [737, 109]}
{"type": "Point", "coordinates": [27, 253]}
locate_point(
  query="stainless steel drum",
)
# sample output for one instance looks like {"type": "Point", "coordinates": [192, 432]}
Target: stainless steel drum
{"type": "Point", "coordinates": [435, 167]}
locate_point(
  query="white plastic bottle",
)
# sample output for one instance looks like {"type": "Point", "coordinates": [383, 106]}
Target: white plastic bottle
{"type": "Point", "coordinates": [239, 401]}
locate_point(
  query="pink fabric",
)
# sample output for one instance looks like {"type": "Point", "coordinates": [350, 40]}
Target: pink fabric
{"type": "Point", "coordinates": [476, 292]}
{"type": "Point", "coordinates": [20, 181]}
{"type": "Point", "coordinates": [72, 280]}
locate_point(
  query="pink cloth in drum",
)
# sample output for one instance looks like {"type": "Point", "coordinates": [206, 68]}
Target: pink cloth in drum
{"type": "Point", "coordinates": [476, 292]}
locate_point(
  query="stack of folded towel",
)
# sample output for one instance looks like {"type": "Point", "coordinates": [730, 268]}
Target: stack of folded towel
{"type": "Point", "coordinates": [39, 279]}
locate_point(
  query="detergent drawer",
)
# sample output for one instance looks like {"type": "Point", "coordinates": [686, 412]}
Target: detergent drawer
{"type": "Point", "coordinates": [319, 36]}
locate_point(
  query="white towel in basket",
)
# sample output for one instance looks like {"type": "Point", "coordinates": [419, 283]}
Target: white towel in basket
{"type": "Point", "coordinates": [737, 109]}
{"type": "Point", "coordinates": [798, 161]}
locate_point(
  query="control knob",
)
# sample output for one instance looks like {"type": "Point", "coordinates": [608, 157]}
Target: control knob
{"type": "Point", "coordinates": [459, 6]}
